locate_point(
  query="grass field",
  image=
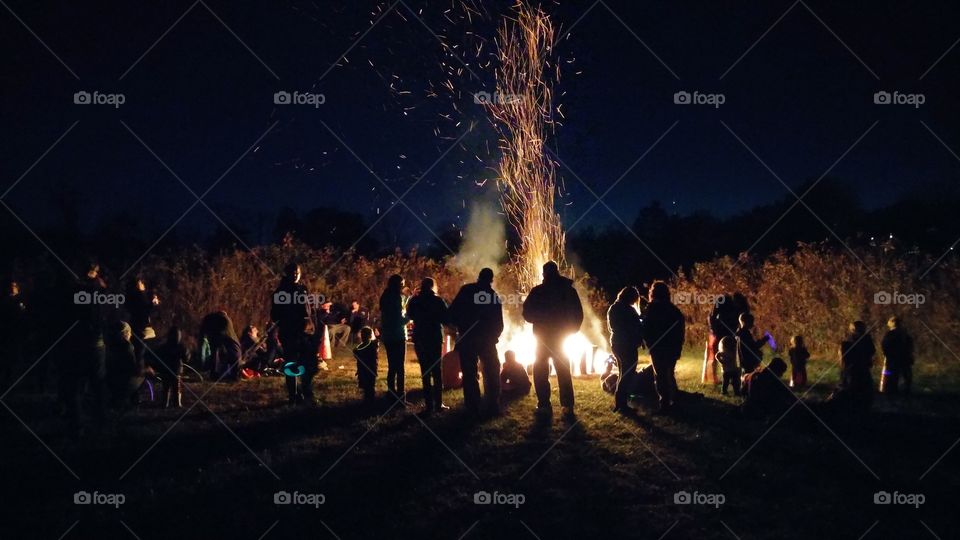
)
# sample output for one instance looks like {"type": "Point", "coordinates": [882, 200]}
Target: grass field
{"type": "Point", "coordinates": [214, 472]}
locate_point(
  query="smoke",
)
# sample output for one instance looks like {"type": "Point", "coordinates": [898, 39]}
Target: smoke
{"type": "Point", "coordinates": [485, 241]}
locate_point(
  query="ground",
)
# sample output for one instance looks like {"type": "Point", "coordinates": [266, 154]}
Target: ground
{"type": "Point", "coordinates": [215, 473]}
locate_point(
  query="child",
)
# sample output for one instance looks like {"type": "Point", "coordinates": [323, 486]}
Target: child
{"type": "Point", "coordinates": [173, 355]}
{"type": "Point", "coordinates": [513, 378]}
{"type": "Point", "coordinates": [727, 357]}
{"type": "Point", "coordinates": [366, 355]}
{"type": "Point", "coordinates": [798, 362]}
{"type": "Point", "coordinates": [749, 353]}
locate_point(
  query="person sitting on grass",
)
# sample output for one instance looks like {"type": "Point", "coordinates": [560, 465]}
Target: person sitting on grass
{"type": "Point", "coordinates": [252, 349]}
{"type": "Point", "coordinates": [749, 349]}
{"type": "Point", "coordinates": [173, 355]}
{"type": "Point", "coordinates": [124, 368]}
{"type": "Point", "coordinates": [798, 362]}
{"type": "Point", "coordinates": [513, 376]}
{"type": "Point", "coordinates": [366, 355]}
{"type": "Point", "coordinates": [765, 393]}
{"type": "Point", "coordinates": [727, 357]}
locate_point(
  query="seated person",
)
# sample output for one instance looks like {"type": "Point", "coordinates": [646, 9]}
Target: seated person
{"type": "Point", "coordinates": [513, 376]}
{"type": "Point", "coordinates": [252, 349]}
{"type": "Point", "coordinates": [644, 384]}
{"type": "Point", "coordinates": [765, 393]}
{"type": "Point", "coordinates": [336, 322]}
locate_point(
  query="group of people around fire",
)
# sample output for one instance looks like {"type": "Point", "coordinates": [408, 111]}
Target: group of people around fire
{"type": "Point", "coordinates": [112, 361]}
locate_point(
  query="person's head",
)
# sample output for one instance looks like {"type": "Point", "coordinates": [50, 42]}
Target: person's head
{"type": "Point", "coordinates": [13, 288]}
{"type": "Point", "coordinates": [797, 342]}
{"type": "Point", "coordinates": [326, 306]}
{"type": "Point", "coordinates": [395, 283]}
{"type": "Point", "coordinates": [366, 334]}
{"type": "Point", "coordinates": [893, 322]}
{"type": "Point", "coordinates": [174, 335]}
{"type": "Point", "coordinates": [778, 366]}
{"type": "Point", "coordinates": [123, 331]}
{"type": "Point", "coordinates": [92, 269]}
{"type": "Point", "coordinates": [628, 295]}
{"type": "Point", "coordinates": [746, 321]}
{"type": "Point", "coordinates": [509, 357]}
{"type": "Point", "coordinates": [251, 332]}
{"type": "Point", "coordinates": [428, 284]}
{"type": "Point", "coordinates": [727, 344]}
{"type": "Point", "coordinates": [857, 328]}
{"type": "Point", "coordinates": [293, 272]}
{"type": "Point", "coordinates": [355, 306]}
{"type": "Point", "coordinates": [485, 277]}
{"type": "Point", "coordinates": [550, 270]}
{"type": "Point", "coordinates": [659, 292]}
{"type": "Point", "coordinates": [141, 286]}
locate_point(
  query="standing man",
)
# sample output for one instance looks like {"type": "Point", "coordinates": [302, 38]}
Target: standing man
{"type": "Point", "coordinates": [428, 313]}
{"type": "Point", "coordinates": [86, 360]}
{"type": "Point", "coordinates": [292, 313]}
{"type": "Point", "coordinates": [478, 315]}
{"type": "Point", "coordinates": [626, 337]}
{"type": "Point", "coordinates": [897, 347]}
{"type": "Point", "coordinates": [663, 327]}
{"type": "Point", "coordinates": [554, 309]}
{"type": "Point", "coordinates": [393, 334]}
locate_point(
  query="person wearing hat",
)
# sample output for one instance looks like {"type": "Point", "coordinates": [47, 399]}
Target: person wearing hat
{"type": "Point", "coordinates": [897, 347]}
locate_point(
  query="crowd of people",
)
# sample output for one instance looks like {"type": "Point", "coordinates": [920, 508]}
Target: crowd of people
{"type": "Point", "coordinates": [112, 361]}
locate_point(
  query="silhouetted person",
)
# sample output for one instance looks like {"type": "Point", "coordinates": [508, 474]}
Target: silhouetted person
{"type": "Point", "coordinates": [140, 304]}
{"type": "Point", "coordinates": [626, 337]}
{"type": "Point", "coordinates": [292, 312]}
{"type": "Point", "coordinates": [799, 355]}
{"type": "Point", "coordinates": [897, 347]}
{"type": "Point", "coordinates": [393, 334]}
{"type": "Point", "coordinates": [172, 356]}
{"type": "Point", "coordinates": [366, 353]}
{"type": "Point", "coordinates": [358, 319]}
{"type": "Point", "coordinates": [222, 356]}
{"type": "Point", "coordinates": [84, 360]}
{"type": "Point", "coordinates": [749, 348]}
{"type": "Point", "coordinates": [253, 349]}
{"type": "Point", "coordinates": [664, 331]}
{"type": "Point", "coordinates": [13, 333]}
{"type": "Point", "coordinates": [478, 315]}
{"type": "Point", "coordinates": [722, 322]}
{"type": "Point", "coordinates": [765, 393]}
{"type": "Point", "coordinates": [429, 313]}
{"type": "Point", "coordinates": [727, 357]}
{"type": "Point", "coordinates": [554, 310]}
{"type": "Point", "coordinates": [855, 391]}
{"type": "Point", "coordinates": [124, 368]}
{"type": "Point", "coordinates": [332, 316]}
{"type": "Point", "coordinates": [513, 376]}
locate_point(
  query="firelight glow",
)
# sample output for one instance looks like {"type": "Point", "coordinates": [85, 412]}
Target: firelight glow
{"type": "Point", "coordinates": [520, 340]}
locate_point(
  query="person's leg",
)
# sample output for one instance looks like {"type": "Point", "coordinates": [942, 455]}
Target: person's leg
{"type": "Point", "coordinates": [661, 368]}
{"type": "Point", "coordinates": [435, 374]}
{"type": "Point", "coordinates": [396, 350]}
{"type": "Point", "coordinates": [471, 386]}
{"type": "Point", "coordinates": [734, 380]}
{"type": "Point", "coordinates": [564, 376]}
{"type": "Point", "coordinates": [541, 374]}
{"type": "Point", "coordinates": [423, 358]}
{"type": "Point", "coordinates": [627, 359]}
{"type": "Point", "coordinates": [491, 376]}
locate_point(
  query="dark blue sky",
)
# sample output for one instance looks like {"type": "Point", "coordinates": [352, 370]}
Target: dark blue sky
{"type": "Point", "coordinates": [800, 98]}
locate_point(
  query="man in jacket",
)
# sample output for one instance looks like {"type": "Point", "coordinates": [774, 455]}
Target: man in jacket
{"type": "Point", "coordinates": [663, 327]}
{"type": "Point", "coordinates": [478, 315]}
{"type": "Point", "coordinates": [292, 311]}
{"type": "Point", "coordinates": [626, 337]}
{"type": "Point", "coordinates": [554, 310]}
{"type": "Point", "coordinates": [428, 313]}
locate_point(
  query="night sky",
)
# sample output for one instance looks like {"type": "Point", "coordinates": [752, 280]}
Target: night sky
{"type": "Point", "coordinates": [798, 80]}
